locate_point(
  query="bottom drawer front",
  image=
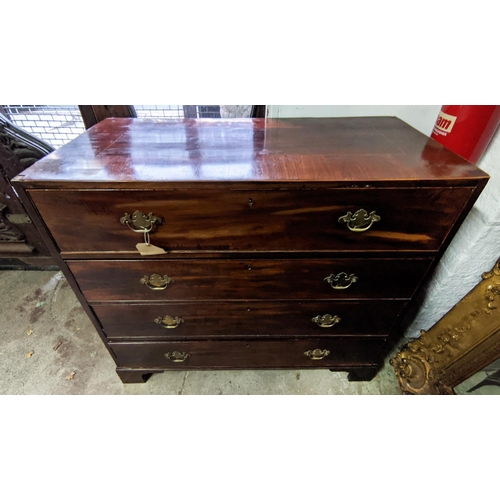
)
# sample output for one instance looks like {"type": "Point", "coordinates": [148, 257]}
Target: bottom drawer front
{"type": "Point", "coordinates": [247, 319]}
{"type": "Point", "coordinates": [252, 354]}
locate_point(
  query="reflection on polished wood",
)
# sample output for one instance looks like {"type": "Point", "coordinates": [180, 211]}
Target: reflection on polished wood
{"type": "Point", "coordinates": [119, 152]}
{"type": "Point", "coordinates": [461, 343]}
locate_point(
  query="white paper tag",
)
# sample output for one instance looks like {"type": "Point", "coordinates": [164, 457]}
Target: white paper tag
{"type": "Point", "coordinates": [149, 249]}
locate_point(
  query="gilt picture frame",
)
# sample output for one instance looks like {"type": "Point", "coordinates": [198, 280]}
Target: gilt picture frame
{"type": "Point", "coordinates": [464, 341]}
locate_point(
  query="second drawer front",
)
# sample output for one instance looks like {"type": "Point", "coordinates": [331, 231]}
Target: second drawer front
{"type": "Point", "coordinates": [250, 279]}
{"type": "Point", "coordinates": [248, 319]}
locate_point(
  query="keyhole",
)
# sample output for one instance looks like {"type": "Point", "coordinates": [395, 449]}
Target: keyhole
{"type": "Point", "coordinates": [250, 267]}
{"type": "Point", "coordinates": [250, 202]}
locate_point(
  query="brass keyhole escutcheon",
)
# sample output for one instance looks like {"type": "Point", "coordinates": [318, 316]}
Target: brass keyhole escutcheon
{"type": "Point", "coordinates": [341, 281]}
{"type": "Point", "coordinates": [156, 281]}
{"type": "Point", "coordinates": [139, 222]}
{"type": "Point", "coordinates": [360, 221]}
{"type": "Point", "coordinates": [169, 321]}
{"type": "Point", "coordinates": [326, 321]}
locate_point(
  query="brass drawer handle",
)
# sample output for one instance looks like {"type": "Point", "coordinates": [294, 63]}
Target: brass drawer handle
{"type": "Point", "coordinates": [176, 356]}
{"type": "Point", "coordinates": [326, 321]}
{"type": "Point", "coordinates": [360, 221]}
{"type": "Point", "coordinates": [157, 282]}
{"type": "Point", "coordinates": [169, 321]}
{"type": "Point", "coordinates": [139, 222]}
{"type": "Point", "coordinates": [317, 354]}
{"type": "Point", "coordinates": [341, 281]}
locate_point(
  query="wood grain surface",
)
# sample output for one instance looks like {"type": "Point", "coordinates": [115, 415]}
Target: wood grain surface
{"type": "Point", "coordinates": [108, 280]}
{"type": "Point", "coordinates": [248, 319]}
{"type": "Point", "coordinates": [298, 220]}
{"type": "Point", "coordinates": [142, 152]}
{"type": "Point", "coordinates": [226, 354]}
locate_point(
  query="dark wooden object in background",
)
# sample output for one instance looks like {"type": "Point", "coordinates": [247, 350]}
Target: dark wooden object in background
{"type": "Point", "coordinates": [92, 114]}
{"type": "Point", "coordinates": [252, 220]}
{"type": "Point", "coordinates": [21, 245]}
{"type": "Point", "coordinates": [259, 111]}
{"type": "Point", "coordinates": [189, 111]}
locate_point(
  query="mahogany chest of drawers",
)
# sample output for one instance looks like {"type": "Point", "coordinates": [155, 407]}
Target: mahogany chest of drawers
{"type": "Point", "coordinates": [288, 243]}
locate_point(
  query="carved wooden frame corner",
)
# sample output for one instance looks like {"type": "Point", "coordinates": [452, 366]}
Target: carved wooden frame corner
{"type": "Point", "coordinates": [462, 342]}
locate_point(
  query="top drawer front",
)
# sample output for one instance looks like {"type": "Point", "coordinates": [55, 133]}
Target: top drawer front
{"type": "Point", "coordinates": [264, 220]}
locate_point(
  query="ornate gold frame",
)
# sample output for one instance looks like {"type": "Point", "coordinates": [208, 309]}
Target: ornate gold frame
{"type": "Point", "coordinates": [462, 342]}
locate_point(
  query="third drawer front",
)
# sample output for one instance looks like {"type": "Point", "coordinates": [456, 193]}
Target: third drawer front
{"type": "Point", "coordinates": [248, 319]}
{"type": "Point", "coordinates": [332, 279]}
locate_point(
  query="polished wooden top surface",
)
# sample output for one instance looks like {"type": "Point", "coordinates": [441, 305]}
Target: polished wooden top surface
{"type": "Point", "coordinates": [123, 151]}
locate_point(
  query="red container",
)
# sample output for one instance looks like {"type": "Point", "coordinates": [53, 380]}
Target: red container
{"type": "Point", "coordinates": [466, 130]}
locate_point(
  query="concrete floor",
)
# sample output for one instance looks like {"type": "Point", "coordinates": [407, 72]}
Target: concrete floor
{"type": "Point", "coordinates": [40, 310]}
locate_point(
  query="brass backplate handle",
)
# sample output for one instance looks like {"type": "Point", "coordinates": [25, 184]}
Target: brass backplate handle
{"type": "Point", "coordinates": [326, 321]}
{"type": "Point", "coordinates": [176, 356]}
{"type": "Point", "coordinates": [317, 354]}
{"type": "Point", "coordinates": [341, 281]}
{"type": "Point", "coordinates": [139, 222]}
{"type": "Point", "coordinates": [156, 281]}
{"type": "Point", "coordinates": [360, 220]}
{"type": "Point", "coordinates": [169, 321]}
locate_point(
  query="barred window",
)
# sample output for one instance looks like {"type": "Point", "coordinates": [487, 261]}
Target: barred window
{"type": "Point", "coordinates": [55, 125]}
